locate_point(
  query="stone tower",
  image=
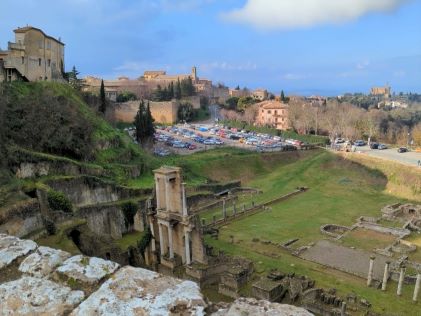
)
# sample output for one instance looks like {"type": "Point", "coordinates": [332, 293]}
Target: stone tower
{"type": "Point", "coordinates": [194, 74]}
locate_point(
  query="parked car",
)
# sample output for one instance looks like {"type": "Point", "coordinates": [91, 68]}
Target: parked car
{"type": "Point", "coordinates": [374, 145]}
{"type": "Point", "coordinates": [382, 146]}
{"type": "Point", "coordinates": [402, 150]}
{"type": "Point", "coordinates": [192, 147]}
{"type": "Point", "coordinates": [161, 152]}
{"type": "Point", "coordinates": [339, 140]}
{"type": "Point", "coordinates": [359, 143]}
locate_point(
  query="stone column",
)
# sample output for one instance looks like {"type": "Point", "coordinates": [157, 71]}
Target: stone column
{"type": "Point", "coordinates": [153, 234]}
{"type": "Point", "coordinates": [224, 208]}
{"type": "Point", "coordinates": [385, 275]}
{"type": "Point", "coordinates": [417, 287]}
{"type": "Point", "coordinates": [187, 245]}
{"type": "Point", "coordinates": [244, 208]}
{"type": "Point", "coordinates": [170, 241]}
{"type": "Point", "coordinates": [157, 194]}
{"type": "Point", "coordinates": [167, 195]}
{"type": "Point", "coordinates": [370, 271]}
{"type": "Point", "coordinates": [400, 283]}
{"type": "Point", "coordinates": [161, 239]}
{"type": "Point", "coordinates": [343, 309]}
{"type": "Point", "coordinates": [183, 192]}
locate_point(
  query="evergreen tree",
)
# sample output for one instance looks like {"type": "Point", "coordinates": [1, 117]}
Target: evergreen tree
{"type": "Point", "coordinates": [140, 122]}
{"type": "Point", "coordinates": [177, 90]}
{"type": "Point", "coordinates": [282, 96]}
{"type": "Point", "coordinates": [103, 104]}
{"type": "Point", "coordinates": [73, 79]}
{"type": "Point", "coordinates": [171, 91]}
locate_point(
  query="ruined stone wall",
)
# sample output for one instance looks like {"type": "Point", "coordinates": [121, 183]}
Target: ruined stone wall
{"type": "Point", "coordinates": [21, 219]}
{"type": "Point", "coordinates": [162, 112]}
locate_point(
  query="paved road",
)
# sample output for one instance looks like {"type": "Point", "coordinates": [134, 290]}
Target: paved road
{"type": "Point", "coordinates": [409, 158]}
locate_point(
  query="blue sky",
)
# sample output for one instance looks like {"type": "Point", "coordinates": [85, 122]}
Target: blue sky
{"type": "Point", "coordinates": [301, 46]}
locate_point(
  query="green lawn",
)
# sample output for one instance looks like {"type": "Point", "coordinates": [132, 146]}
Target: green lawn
{"type": "Point", "coordinates": [340, 191]}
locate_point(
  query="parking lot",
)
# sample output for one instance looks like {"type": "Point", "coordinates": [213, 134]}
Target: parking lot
{"type": "Point", "coordinates": [190, 138]}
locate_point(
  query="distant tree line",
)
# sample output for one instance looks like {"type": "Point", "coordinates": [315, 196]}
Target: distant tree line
{"type": "Point", "coordinates": [179, 90]}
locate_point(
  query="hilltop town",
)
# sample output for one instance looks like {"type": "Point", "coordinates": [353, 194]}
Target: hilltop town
{"type": "Point", "coordinates": [168, 194]}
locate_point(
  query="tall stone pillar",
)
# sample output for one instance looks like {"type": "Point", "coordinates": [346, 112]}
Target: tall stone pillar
{"type": "Point", "coordinates": [167, 195]}
{"type": "Point", "coordinates": [161, 239]}
{"type": "Point", "coordinates": [170, 242]}
{"type": "Point", "coordinates": [400, 283]}
{"type": "Point", "coordinates": [157, 194]}
{"type": "Point", "coordinates": [183, 192]}
{"type": "Point", "coordinates": [153, 234]}
{"type": "Point", "coordinates": [370, 271]}
{"type": "Point", "coordinates": [417, 287]}
{"type": "Point", "coordinates": [385, 275]}
{"type": "Point", "coordinates": [187, 246]}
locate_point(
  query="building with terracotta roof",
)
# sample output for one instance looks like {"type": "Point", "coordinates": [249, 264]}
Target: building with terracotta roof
{"type": "Point", "coordinates": [34, 56]}
{"type": "Point", "coordinates": [273, 113]}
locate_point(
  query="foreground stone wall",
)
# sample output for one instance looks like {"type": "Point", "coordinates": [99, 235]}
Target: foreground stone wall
{"type": "Point", "coordinates": [44, 281]}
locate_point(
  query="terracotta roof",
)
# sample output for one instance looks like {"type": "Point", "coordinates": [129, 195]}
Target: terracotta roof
{"type": "Point", "coordinates": [28, 28]}
{"type": "Point", "coordinates": [270, 104]}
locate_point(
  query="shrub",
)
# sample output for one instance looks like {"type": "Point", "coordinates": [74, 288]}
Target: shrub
{"type": "Point", "coordinates": [49, 226]}
{"type": "Point", "coordinates": [58, 201]}
{"type": "Point", "coordinates": [145, 241]}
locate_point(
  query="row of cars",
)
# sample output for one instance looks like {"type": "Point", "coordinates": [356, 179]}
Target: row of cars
{"type": "Point", "coordinates": [258, 140]}
{"type": "Point", "coordinates": [360, 143]}
{"type": "Point", "coordinates": [173, 142]}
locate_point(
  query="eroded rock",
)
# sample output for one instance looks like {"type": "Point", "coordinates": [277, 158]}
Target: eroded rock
{"type": "Point", "coordinates": [250, 306]}
{"type": "Point", "coordinates": [136, 291]}
{"type": "Point", "coordinates": [12, 248]}
{"type": "Point", "coordinates": [43, 261]}
{"type": "Point", "coordinates": [87, 269]}
{"type": "Point", "coordinates": [34, 296]}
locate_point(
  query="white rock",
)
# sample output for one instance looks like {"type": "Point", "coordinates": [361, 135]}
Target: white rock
{"type": "Point", "coordinates": [136, 291]}
{"type": "Point", "coordinates": [251, 306]}
{"type": "Point", "coordinates": [33, 296]}
{"type": "Point", "coordinates": [87, 269]}
{"type": "Point", "coordinates": [12, 248]}
{"type": "Point", "coordinates": [43, 261]}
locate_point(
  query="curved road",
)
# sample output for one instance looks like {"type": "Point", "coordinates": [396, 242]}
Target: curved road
{"type": "Point", "coordinates": [408, 158]}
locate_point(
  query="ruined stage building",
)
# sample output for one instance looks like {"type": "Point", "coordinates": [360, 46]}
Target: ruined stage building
{"type": "Point", "coordinates": [34, 56]}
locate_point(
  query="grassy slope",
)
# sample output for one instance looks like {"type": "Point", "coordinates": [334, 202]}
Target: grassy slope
{"type": "Point", "coordinates": [340, 192]}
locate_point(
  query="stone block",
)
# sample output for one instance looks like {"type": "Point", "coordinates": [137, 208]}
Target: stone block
{"type": "Point", "coordinates": [12, 248]}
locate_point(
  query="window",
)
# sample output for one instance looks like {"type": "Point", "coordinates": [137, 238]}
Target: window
{"type": "Point", "coordinates": [23, 60]}
{"type": "Point", "coordinates": [39, 62]}
{"type": "Point", "coordinates": [269, 112]}
{"type": "Point", "coordinates": [49, 62]}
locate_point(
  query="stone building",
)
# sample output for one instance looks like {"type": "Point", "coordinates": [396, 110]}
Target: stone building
{"type": "Point", "coordinates": [273, 113]}
{"type": "Point", "coordinates": [381, 91]}
{"type": "Point", "coordinates": [33, 56]}
{"type": "Point", "coordinates": [260, 94]}
{"type": "Point", "coordinates": [177, 234]}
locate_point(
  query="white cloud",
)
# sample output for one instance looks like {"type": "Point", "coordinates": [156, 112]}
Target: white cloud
{"type": "Point", "coordinates": [287, 14]}
{"type": "Point", "coordinates": [248, 66]}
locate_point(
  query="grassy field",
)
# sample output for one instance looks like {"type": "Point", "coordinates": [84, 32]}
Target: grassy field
{"type": "Point", "coordinates": [340, 191]}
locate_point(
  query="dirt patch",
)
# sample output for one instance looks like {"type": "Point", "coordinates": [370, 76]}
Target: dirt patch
{"type": "Point", "coordinates": [365, 234]}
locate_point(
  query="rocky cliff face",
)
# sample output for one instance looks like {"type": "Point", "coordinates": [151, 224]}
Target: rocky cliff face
{"type": "Point", "coordinates": [45, 281]}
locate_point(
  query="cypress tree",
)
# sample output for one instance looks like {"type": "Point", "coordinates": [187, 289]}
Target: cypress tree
{"type": "Point", "coordinates": [103, 105]}
{"type": "Point", "coordinates": [140, 122]}
{"type": "Point", "coordinates": [282, 96]}
{"type": "Point", "coordinates": [177, 91]}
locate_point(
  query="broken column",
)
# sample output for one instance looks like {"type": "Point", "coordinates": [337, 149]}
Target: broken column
{"type": "Point", "coordinates": [343, 309]}
{"type": "Point", "coordinates": [417, 287]}
{"type": "Point", "coordinates": [153, 234]}
{"type": "Point", "coordinates": [370, 271]}
{"type": "Point", "coordinates": [385, 275]}
{"type": "Point", "coordinates": [401, 278]}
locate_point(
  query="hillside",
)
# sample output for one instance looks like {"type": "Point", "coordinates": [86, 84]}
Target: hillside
{"type": "Point", "coordinates": [49, 124]}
